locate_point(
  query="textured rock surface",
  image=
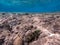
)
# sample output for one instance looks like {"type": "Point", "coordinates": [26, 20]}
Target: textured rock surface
{"type": "Point", "coordinates": [31, 29]}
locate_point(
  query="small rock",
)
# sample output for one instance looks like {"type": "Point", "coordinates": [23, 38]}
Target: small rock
{"type": "Point", "coordinates": [30, 37]}
{"type": "Point", "coordinates": [18, 41]}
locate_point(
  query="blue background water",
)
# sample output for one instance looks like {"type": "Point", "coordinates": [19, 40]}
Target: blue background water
{"type": "Point", "coordinates": [29, 5]}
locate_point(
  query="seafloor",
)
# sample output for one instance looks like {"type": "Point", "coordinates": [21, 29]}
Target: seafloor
{"type": "Point", "coordinates": [29, 29]}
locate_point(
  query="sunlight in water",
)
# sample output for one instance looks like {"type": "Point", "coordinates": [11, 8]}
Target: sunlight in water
{"type": "Point", "coordinates": [15, 2]}
{"type": "Point", "coordinates": [30, 5]}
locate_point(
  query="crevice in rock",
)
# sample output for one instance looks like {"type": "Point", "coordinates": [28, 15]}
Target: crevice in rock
{"type": "Point", "coordinates": [1, 41]}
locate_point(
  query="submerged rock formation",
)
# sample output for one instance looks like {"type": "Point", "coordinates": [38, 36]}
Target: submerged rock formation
{"type": "Point", "coordinates": [29, 29]}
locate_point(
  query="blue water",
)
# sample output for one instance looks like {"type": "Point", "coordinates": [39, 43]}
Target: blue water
{"type": "Point", "coordinates": [29, 5]}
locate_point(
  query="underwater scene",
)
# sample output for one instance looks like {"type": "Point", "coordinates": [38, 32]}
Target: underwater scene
{"type": "Point", "coordinates": [30, 6]}
{"type": "Point", "coordinates": [29, 22]}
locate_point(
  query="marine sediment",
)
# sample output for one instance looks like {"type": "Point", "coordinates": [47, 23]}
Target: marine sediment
{"type": "Point", "coordinates": [29, 29]}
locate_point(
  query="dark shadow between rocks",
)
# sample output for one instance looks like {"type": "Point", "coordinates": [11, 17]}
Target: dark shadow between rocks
{"type": "Point", "coordinates": [1, 41]}
{"type": "Point", "coordinates": [31, 37]}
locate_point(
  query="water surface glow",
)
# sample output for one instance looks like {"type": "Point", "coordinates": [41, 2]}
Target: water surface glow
{"type": "Point", "coordinates": [29, 5]}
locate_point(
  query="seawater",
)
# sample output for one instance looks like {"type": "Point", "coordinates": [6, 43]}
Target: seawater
{"type": "Point", "coordinates": [29, 5]}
